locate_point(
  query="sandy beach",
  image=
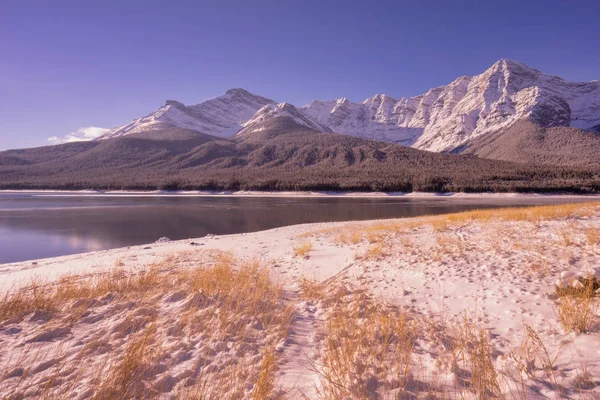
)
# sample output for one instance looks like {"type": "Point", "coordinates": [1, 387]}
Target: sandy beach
{"type": "Point", "coordinates": [481, 299]}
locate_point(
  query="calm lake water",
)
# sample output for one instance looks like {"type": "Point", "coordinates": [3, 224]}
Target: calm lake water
{"type": "Point", "coordinates": [46, 225]}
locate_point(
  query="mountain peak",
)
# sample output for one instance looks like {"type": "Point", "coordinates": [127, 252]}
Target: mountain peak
{"type": "Point", "coordinates": [380, 99]}
{"type": "Point", "coordinates": [175, 103]}
{"type": "Point", "coordinates": [220, 116]}
{"type": "Point", "coordinates": [235, 91]}
{"type": "Point", "coordinates": [442, 119]}
{"type": "Point", "coordinates": [286, 111]}
{"type": "Point", "coordinates": [507, 63]}
{"type": "Point", "coordinates": [511, 66]}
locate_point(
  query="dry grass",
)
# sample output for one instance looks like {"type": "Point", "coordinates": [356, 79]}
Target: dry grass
{"type": "Point", "coordinates": [533, 356]}
{"type": "Point", "coordinates": [373, 232]}
{"type": "Point", "coordinates": [312, 290]}
{"type": "Point", "coordinates": [230, 379]}
{"type": "Point", "coordinates": [449, 244]}
{"type": "Point", "coordinates": [371, 350]}
{"type": "Point", "coordinates": [567, 237]}
{"type": "Point", "coordinates": [351, 237]}
{"type": "Point", "coordinates": [592, 235]}
{"type": "Point", "coordinates": [53, 297]}
{"type": "Point", "coordinates": [439, 224]}
{"type": "Point", "coordinates": [124, 378]}
{"type": "Point", "coordinates": [374, 236]}
{"type": "Point", "coordinates": [532, 214]}
{"type": "Point", "coordinates": [263, 389]}
{"type": "Point", "coordinates": [376, 252]}
{"type": "Point", "coordinates": [303, 249]}
{"type": "Point", "coordinates": [379, 230]}
{"type": "Point", "coordinates": [222, 300]}
{"type": "Point", "coordinates": [472, 361]}
{"type": "Point", "coordinates": [367, 345]}
{"type": "Point", "coordinates": [576, 307]}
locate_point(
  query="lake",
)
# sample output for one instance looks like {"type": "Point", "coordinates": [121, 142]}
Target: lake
{"type": "Point", "coordinates": [40, 225]}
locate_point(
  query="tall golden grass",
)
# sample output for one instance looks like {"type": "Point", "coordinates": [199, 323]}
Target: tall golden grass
{"type": "Point", "coordinates": [365, 342]}
{"type": "Point", "coordinates": [471, 352]}
{"type": "Point", "coordinates": [373, 232]}
{"type": "Point", "coordinates": [312, 290]}
{"type": "Point", "coordinates": [125, 376]}
{"type": "Point", "coordinates": [576, 307]}
{"type": "Point", "coordinates": [222, 296]}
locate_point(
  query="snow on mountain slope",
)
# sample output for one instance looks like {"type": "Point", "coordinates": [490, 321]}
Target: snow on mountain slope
{"type": "Point", "coordinates": [380, 117]}
{"type": "Point", "coordinates": [443, 119]}
{"type": "Point", "coordinates": [507, 92]}
{"type": "Point", "coordinates": [281, 110]}
{"type": "Point", "coordinates": [222, 116]}
{"type": "Point", "coordinates": [447, 117]}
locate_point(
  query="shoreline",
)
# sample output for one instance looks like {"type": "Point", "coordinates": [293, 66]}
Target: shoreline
{"type": "Point", "coordinates": [479, 271]}
{"type": "Point", "coordinates": [151, 251]}
{"type": "Point", "coordinates": [18, 273]}
{"type": "Point", "coordinates": [36, 262]}
{"type": "Point", "coordinates": [291, 194]}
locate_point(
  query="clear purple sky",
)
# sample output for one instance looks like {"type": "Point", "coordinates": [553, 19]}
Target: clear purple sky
{"type": "Point", "coordinates": [67, 65]}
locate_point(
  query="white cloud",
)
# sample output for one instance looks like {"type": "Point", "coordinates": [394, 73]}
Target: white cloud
{"type": "Point", "coordinates": [81, 135]}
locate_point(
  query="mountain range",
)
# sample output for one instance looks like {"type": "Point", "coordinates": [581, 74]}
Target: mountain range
{"type": "Point", "coordinates": [445, 119]}
{"type": "Point", "coordinates": [510, 129]}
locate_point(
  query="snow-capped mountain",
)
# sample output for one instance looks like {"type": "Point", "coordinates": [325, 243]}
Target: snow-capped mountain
{"type": "Point", "coordinates": [448, 117]}
{"type": "Point", "coordinates": [222, 116]}
{"type": "Point", "coordinates": [443, 119]}
{"type": "Point", "coordinates": [281, 110]}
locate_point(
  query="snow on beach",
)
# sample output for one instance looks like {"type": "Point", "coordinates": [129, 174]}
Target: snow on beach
{"type": "Point", "coordinates": [298, 194]}
{"type": "Point", "coordinates": [481, 304]}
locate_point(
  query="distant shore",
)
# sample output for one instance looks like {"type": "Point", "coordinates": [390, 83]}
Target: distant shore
{"type": "Point", "coordinates": [206, 193]}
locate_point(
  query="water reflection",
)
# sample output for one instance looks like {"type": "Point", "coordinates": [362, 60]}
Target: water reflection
{"type": "Point", "coordinates": [33, 226]}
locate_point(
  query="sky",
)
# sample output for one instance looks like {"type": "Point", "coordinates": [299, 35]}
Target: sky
{"type": "Point", "coordinates": [69, 69]}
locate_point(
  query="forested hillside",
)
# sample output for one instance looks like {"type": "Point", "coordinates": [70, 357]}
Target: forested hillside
{"type": "Point", "coordinates": [283, 156]}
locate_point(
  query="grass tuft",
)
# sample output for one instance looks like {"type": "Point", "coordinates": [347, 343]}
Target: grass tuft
{"type": "Point", "coordinates": [263, 389]}
{"type": "Point", "coordinates": [576, 306]}
{"type": "Point", "coordinates": [303, 249]}
{"type": "Point", "coordinates": [367, 344]}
